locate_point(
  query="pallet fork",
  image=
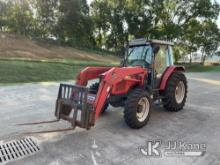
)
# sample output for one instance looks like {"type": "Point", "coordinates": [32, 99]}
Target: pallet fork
{"type": "Point", "coordinates": [74, 104]}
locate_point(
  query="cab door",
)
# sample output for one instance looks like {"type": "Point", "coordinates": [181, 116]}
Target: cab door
{"type": "Point", "coordinates": [162, 59]}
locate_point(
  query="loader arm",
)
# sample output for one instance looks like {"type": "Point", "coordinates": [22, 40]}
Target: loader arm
{"type": "Point", "coordinates": [90, 73]}
{"type": "Point", "coordinates": [80, 107]}
{"type": "Point", "coordinates": [117, 81]}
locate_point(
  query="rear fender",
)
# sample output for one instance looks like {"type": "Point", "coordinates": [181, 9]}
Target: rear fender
{"type": "Point", "coordinates": [168, 73]}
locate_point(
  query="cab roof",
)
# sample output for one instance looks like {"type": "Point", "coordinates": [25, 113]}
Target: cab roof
{"type": "Point", "coordinates": [143, 41]}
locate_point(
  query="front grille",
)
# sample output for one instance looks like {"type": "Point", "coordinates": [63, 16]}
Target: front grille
{"type": "Point", "coordinates": [17, 149]}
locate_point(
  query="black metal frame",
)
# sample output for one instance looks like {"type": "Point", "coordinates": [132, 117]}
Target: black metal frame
{"type": "Point", "coordinates": [71, 101]}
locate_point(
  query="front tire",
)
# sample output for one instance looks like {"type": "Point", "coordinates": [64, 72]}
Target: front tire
{"type": "Point", "coordinates": [175, 93]}
{"type": "Point", "coordinates": [137, 108]}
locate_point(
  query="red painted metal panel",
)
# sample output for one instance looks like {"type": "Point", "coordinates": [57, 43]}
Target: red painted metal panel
{"type": "Point", "coordinates": [130, 76]}
{"type": "Point", "coordinates": [90, 73]}
{"type": "Point", "coordinates": [168, 73]}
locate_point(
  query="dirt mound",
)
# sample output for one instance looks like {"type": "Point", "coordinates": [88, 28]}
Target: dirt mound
{"type": "Point", "coordinates": [14, 46]}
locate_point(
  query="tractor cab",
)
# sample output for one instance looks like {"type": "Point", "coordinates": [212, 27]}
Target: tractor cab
{"type": "Point", "coordinates": [155, 55]}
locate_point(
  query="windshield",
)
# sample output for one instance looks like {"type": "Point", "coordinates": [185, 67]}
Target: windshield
{"type": "Point", "coordinates": [139, 56]}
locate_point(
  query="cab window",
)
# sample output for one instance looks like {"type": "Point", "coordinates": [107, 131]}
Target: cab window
{"type": "Point", "coordinates": [162, 60]}
{"type": "Point", "coordinates": [139, 56]}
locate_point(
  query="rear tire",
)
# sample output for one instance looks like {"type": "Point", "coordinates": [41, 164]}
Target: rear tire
{"type": "Point", "coordinates": [175, 93]}
{"type": "Point", "coordinates": [94, 90]}
{"type": "Point", "coordinates": [137, 108]}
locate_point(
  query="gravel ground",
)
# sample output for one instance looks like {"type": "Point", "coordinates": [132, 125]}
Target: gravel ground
{"type": "Point", "coordinates": [111, 141]}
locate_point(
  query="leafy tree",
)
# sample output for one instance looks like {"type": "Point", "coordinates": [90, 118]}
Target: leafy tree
{"type": "Point", "coordinates": [209, 39]}
{"type": "Point", "coordinates": [20, 17]}
{"type": "Point", "coordinates": [46, 16]}
{"type": "Point", "coordinates": [191, 37]}
{"type": "Point", "coordinates": [100, 15]}
{"type": "Point", "coordinates": [138, 18]}
{"type": "Point", "coordinates": [110, 24]}
{"type": "Point", "coordinates": [117, 36]}
{"type": "Point", "coordinates": [74, 24]}
{"type": "Point", "coordinates": [170, 17]}
{"type": "Point", "coordinates": [182, 21]}
{"type": "Point", "coordinates": [3, 18]}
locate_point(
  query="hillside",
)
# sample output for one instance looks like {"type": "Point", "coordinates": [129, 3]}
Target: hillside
{"type": "Point", "coordinates": [14, 46]}
{"type": "Point", "coordinates": [23, 60]}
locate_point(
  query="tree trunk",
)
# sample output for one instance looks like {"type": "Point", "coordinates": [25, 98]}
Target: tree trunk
{"type": "Point", "coordinates": [203, 58]}
{"type": "Point", "coordinates": [190, 58]}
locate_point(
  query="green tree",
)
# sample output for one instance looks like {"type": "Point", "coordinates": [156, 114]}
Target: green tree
{"type": "Point", "coordinates": [209, 39]}
{"type": "Point", "coordinates": [20, 17]}
{"type": "Point", "coordinates": [3, 15]}
{"type": "Point", "coordinates": [182, 20]}
{"type": "Point", "coordinates": [139, 18]}
{"type": "Point", "coordinates": [180, 50]}
{"type": "Point", "coordinates": [110, 22]}
{"type": "Point", "coordinates": [191, 38]}
{"type": "Point", "coordinates": [46, 16]}
{"type": "Point", "coordinates": [75, 25]}
{"type": "Point", "coordinates": [100, 14]}
{"type": "Point", "coordinates": [171, 16]}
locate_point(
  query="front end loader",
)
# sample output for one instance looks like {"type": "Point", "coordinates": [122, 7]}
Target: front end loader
{"type": "Point", "coordinates": [81, 107]}
{"type": "Point", "coordinates": [147, 75]}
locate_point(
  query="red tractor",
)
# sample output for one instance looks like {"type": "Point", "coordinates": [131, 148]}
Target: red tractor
{"type": "Point", "coordinates": [146, 75]}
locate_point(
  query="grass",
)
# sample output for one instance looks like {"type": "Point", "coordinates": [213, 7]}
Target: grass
{"type": "Point", "coordinates": [201, 68]}
{"type": "Point", "coordinates": [22, 71]}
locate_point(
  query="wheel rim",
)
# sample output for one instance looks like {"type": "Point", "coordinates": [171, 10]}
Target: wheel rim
{"type": "Point", "coordinates": [143, 109]}
{"type": "Point", "coordinates": [180, 92]}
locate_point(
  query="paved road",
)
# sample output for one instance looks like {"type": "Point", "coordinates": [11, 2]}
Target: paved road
{"type": "Point", "coordinates": [111, 141]}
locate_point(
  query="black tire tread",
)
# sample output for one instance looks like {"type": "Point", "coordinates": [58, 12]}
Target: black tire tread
{"type": "Point", "coordinates": [131, 106]}
{"type": "Point", "coordinates": [169, 101]}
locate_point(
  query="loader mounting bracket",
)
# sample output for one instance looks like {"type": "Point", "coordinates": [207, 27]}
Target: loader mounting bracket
{"type": "Point", "coordinates": [73, 105]}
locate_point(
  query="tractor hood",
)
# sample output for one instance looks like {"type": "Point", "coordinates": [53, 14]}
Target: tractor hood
{"type": "Point", "coordinates": [111, 74]}
{"type": "Point", "coordinates": [90, 73]}
{"type": "Point", "coordinates": [124, 78]}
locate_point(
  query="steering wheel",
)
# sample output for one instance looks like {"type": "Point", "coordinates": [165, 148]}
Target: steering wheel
{"type": "Point", "coordinates": [140, 62]}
